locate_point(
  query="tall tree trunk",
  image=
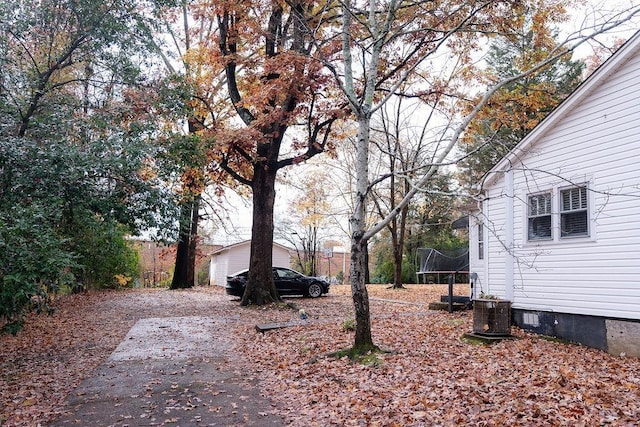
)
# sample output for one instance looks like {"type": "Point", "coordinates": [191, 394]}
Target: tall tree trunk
{"type": "Point", "coordinates": [185, 267]}
{"type": "Point", "coordinates": [367, 272]}
{"type": "Point", "coordinates": [313, 233]}
{"type": "Point", "coordinates": [363, 340]}
{"type": "Point", "coordinates": [397, 264]}
{"type": "Point", "coordinates": [260, 288]}
{"type": "Point", "coordinates": [180, 268]}
{"type": "Point", "coordinates": [193, 242]}
{"type": "Point", "coordinates": [393, 225]}
{"type": "Point", "coordinates": [398, 247]}
{"type": "Point", "coordinates": [184, 270]}
{"type": "Point", "coordinates": [395, 249]}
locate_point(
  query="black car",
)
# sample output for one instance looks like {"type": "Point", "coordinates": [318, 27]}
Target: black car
{"type": "Point", "coordinates": [288, 282]}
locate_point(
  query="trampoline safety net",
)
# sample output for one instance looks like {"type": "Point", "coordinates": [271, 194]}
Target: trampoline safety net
{"type": "Point", "coordinates": [433, 260]}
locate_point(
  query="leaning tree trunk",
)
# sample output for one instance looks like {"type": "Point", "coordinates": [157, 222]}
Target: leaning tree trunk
{"type": "Point", "coordinates": [260, 288]}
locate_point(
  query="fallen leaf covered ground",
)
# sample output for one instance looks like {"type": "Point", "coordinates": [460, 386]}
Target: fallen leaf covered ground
{"type": "Point", "coordinates": [428, 376]}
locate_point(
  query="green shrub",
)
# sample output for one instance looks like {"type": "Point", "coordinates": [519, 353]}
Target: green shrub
{"type": "Point", "coordinates": [106, 258]}
{"type": "Point", "coordinates": [349, 325]}
{"type": "Point", "coordinates": [35, 259]}
{"type": "Point", "coordinates": [384, 271]}
{"type": "Point", "coordinates": [32, 262]}
{"type": "Point", "coordinates": [203, 274]}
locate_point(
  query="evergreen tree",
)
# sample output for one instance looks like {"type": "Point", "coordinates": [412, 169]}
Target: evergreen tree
{"type": "Point", "coordinates": [518, 106]}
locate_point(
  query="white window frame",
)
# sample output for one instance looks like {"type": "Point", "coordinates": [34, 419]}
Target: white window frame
{"type": "Point", "coordinates": [583, 197]}
{"type": "Point", "coordinates": [556, 192]}
{"type": "Point", "coordinates": [481, 243]}
{"type": "Point", "coordinates": [536, 215]}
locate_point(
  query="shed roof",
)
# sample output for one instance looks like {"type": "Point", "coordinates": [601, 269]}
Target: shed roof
{"type": "Point", "coordinates": [244, 242]}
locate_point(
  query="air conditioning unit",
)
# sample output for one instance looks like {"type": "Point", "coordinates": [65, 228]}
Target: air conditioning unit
{"type": "Point", "coordinates": [492, 317]}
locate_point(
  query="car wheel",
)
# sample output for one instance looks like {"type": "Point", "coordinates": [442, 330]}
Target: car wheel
{"type": "Point", "coordinates": [314, 290]}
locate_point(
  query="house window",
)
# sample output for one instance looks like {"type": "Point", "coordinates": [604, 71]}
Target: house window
{"type": "Point", "coordinates": [480, 241]}
{"type": "Point", "coordinates": [573, 212]}
{"type": "Point", "coordinates": [539, 217]}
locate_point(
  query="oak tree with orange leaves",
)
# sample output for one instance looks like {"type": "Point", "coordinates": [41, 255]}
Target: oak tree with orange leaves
{"type": "Point", "coordinates": [277, 87]}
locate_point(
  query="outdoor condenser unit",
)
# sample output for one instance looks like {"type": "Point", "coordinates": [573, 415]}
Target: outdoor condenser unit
{"type": "Point", "coordinates": [491, 317]}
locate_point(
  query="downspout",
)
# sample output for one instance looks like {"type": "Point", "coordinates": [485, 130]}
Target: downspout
{"type": "Point", "coordinates": [486, 237]}
{"type": "Point", "coordinates": [508, 237]}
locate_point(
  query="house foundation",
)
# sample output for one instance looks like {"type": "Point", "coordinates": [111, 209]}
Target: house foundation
{"type": "Point", "coordinates": [615, 336]}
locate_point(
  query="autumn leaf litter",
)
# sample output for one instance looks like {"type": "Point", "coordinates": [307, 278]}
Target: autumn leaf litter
{"type": "Point", "coordinates": [427, 376]}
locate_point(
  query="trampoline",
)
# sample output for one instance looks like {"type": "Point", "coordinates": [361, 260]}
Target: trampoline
{"type": "Point", "coordinates": [437, 264]}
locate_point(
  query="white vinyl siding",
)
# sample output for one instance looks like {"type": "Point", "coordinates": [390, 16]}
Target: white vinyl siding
{"type": "Point", "coordinates": [281, 257]}
{"type": "Point", "coordinates": [234, 258]}
{"type": "Point", "coordinates": [587, 160]}
{"type": "Point", "coordinates": [493, 281]}
{"type": "Point", "coordinates": [476, 264]}
{"type": "Point", "coordinates": [230, 260]}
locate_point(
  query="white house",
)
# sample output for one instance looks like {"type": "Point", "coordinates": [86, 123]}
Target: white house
{"type": "Point", "coordinates": [230, 259]}
{"type": "Point", "coordinates": [557, 230]}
